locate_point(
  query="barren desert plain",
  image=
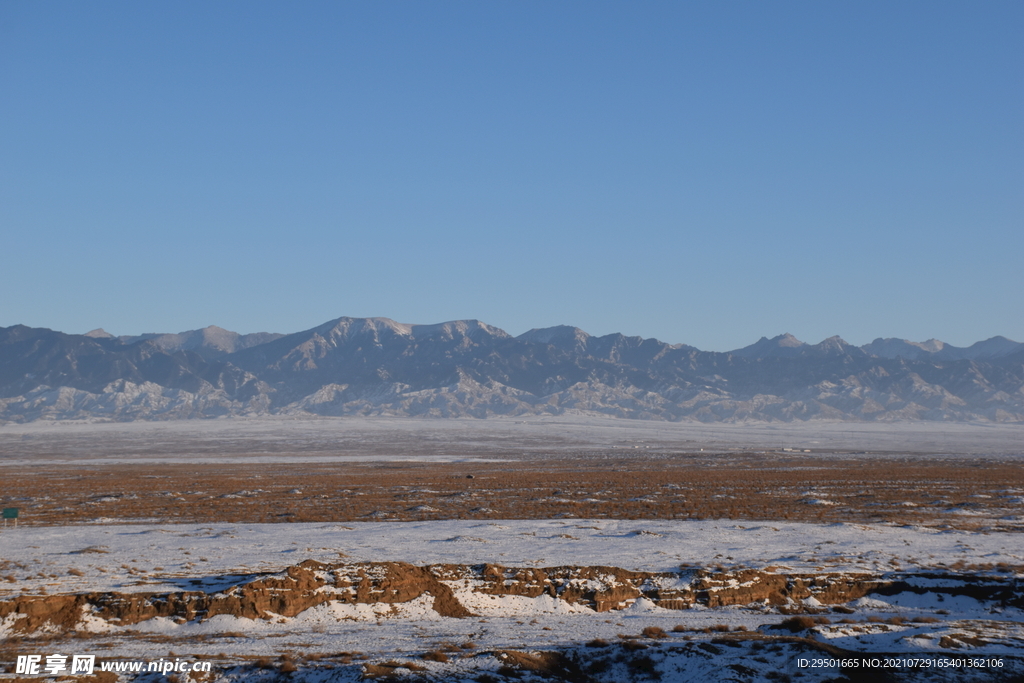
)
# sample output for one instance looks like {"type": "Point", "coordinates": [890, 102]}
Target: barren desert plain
{"type": "Point", "coordinates": [559, 549]}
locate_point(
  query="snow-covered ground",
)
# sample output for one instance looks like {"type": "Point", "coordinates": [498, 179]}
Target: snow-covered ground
{"type": "Point", "coordinates": [169, 557]}
{"type": "Point", "coordinates": [211, 558]}
{"type": "Point", "coordinates": [295, 440]}
{"type": "Point", "coordinates": [152, 557]}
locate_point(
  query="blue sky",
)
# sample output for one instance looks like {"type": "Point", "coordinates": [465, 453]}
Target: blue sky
{"type": "Point", "coordinates": [704, 173]}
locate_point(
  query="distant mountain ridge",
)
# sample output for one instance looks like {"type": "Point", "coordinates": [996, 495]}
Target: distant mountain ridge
{"type": "Point", "coordinates": [466, 368]}
{"type": "Point", "coordinates": [995, 347]}
{"type": "Point", "coordinates": [786, 345]}
{"type": "Point", "coordinates": [209, 342]}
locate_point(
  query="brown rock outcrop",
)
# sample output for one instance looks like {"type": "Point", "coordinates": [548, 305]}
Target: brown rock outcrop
{"type": "Point", "coordinates": [311, 583]}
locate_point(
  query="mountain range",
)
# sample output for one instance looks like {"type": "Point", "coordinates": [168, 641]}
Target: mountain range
{"type": "Point", "coordinates": [466, 368]}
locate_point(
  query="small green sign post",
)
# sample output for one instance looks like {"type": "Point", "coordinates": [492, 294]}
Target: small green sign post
{"type": "Point", "coordinates": [11, 513]}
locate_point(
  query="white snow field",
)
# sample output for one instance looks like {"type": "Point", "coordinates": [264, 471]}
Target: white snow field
{"type": "Point", "coordinates": [166, 558]}
{"type": "Point", "coordinates": [105, 553]}
{"type": "Point", "coordinates": [295, 440]}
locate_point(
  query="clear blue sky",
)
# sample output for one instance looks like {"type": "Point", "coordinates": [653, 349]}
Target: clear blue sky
{"type": "Point", "coordinates": [703, 172]}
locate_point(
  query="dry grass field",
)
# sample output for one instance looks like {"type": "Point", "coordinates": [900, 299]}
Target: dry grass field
{"type": "Point", "coordinates": [962, 476]}
{"type": "Point", "coordinates": [965, 494]}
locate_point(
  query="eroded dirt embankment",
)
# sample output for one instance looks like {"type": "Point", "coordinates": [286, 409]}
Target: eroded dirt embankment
{"type": "Point", "coordinates": [601, 589]}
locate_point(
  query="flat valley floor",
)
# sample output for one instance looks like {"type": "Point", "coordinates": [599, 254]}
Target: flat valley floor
{"type": "Point", "coordinates": [573, 548]}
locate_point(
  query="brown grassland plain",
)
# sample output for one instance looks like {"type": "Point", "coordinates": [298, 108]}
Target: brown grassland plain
{"type": "Point", "coordinates": [963, 493]}
{"type": "Point", "coordinates": [349, 469]}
